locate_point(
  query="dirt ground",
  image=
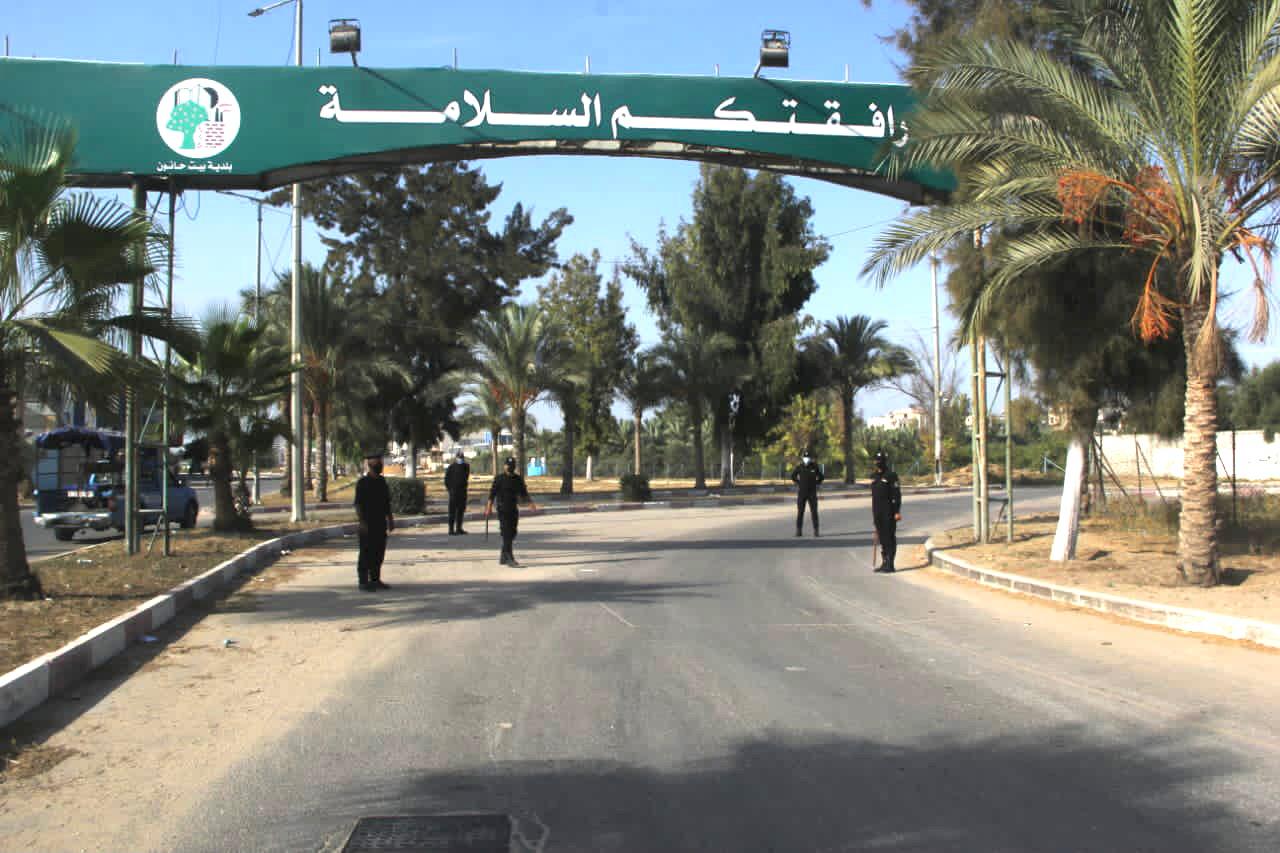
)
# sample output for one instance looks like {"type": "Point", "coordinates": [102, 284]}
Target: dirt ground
{"type": "Point", "coordinates": [95, 584]}
{"type": "Point", "coordinates": [1133, 563]}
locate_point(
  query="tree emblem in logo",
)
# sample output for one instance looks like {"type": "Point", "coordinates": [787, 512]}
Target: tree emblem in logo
{"type": "Point", "coordinates": [198, 118]}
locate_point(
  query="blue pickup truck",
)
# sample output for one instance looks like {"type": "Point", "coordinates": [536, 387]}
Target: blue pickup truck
{"type": "Point", "coordinates": [80, 484]}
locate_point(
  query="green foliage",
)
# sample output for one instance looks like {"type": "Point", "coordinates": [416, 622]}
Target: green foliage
{"type": "Point", "coordinates": [516, 353]}
{"type": "Point", "coordinates": [419, 241]}
{"type": "Point", "coordinates": [596, 343]}
{"type": "Point", "coordinates": [635, 487]}
{"type": "Point", "coordinates": [742, 267]}
{"type": "Point", "coordinates": [408, 495]}
{"type": "Point", "coordinates": [808, 422]}
{"type": "Point", "coordinates": [1255, 402]}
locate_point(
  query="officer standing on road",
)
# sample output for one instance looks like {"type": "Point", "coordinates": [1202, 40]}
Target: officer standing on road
{"type": "Point", "coordinates": [886, 509]}
{"type": "Point", "coordinates": [507, 490]}
{"type": "Point", "coordinates": [456, 477]}
{"type": "Point", "coordinates": [807, 476]}
{"type": "Point", "coordinates": [373, 509]}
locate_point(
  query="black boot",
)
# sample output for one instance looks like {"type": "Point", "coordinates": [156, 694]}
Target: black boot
{"type": "Point", "coordinates": [799, 532]}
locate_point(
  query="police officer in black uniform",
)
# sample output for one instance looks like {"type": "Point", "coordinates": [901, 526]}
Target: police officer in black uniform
{"type": "Point", "coordinates": [507, 490]}
{"type": "Point", "coordinates": [807, 476]}
{"type": "Point", "coordinates": [886, 509]}
{"type": "Point", "coordinates": [373, 509]}
{"type": "Point", "coordinates": [456, 477]}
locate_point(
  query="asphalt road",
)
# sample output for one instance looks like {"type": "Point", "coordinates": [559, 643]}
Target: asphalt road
{"type": "Point", "coordinates": [673, 681]}
{"type": "Point", "coordinates": [41, 542]}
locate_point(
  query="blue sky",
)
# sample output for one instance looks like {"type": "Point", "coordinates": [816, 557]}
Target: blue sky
{"type": "Point", "coordinates": [612, 199]}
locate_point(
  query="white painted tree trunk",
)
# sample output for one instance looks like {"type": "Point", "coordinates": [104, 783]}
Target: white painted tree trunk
{"type": "Point", "coordinates": [411, 461]}
{"type": "Point", "coordinates": [1064, 539]}
{"type": "Point", "coordinates": [591, 467]}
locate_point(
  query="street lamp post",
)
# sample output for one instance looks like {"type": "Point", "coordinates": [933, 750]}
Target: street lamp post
{"type": "Point", "coordinates": [937, 380]}
{"type": "Point", "coordinates": [735, 402]}
{"type": "Point", "coordinates": [297, 498]}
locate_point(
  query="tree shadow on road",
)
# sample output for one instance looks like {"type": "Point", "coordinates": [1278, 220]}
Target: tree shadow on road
{"type": "Point", "coordinates": [1051, 789]}
{"type": "Point", "coordinates": [451, 601]}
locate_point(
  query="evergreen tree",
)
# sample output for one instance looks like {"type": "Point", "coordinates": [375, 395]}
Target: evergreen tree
{"type": "Point", "coordinates": [742, 267]}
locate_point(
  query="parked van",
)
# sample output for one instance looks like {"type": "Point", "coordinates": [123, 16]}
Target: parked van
{"type": "Point", "coordinates": [80, 483]}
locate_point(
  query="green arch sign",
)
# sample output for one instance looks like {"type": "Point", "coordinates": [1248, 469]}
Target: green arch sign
{"type": "Point", "coordinates": [214, 127]}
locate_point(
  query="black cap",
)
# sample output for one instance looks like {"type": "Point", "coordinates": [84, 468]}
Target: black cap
{"type": "Point", "coordinates": [881, 458]}
{"type": "Point", "coordinates": [806, 452]}
{"type": "Point", "coordinates": [375, 454]}
{"type": "Point", "coordinates": [511, 462]}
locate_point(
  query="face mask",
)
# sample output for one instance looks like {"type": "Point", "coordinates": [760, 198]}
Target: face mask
{"type": "Point", "coordinates": [375, 468]}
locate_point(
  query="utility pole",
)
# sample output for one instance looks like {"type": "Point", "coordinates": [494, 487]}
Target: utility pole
{"type": "Point", "coordinates": [973, 436]}
{"type": "Point", "coordinates": [937, 372]}
{"type": "Point", "coordinates": [297, 498]}
{"type": "Point", "coordinates": [984, 505]}
{"type": "Point", "coordinates": [133, 539]}
{"type": "Point", "coordinates": [1008, 446]}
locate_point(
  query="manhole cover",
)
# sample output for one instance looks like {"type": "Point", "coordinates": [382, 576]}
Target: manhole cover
{"type": "Point", "coordinates": [482, 833]}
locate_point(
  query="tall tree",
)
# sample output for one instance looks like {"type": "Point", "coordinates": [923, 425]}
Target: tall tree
{"type": "Point", "coordinates": [596, 342]}
{"type": "Point", "coordinates": [64, 260]}
{"type": "Point", "coordinates": [697, 364]}
{"type": "Point", "coordinates": [1160, 124]}
{"type": "Point", "coordinates": [486, 409]}
{"type": "Point", "coordinates": [743, 266]}
{"type": "Point", "coordinates": [225, 388]}
{"type": "Point", "coordinates": [642, 384]}
{"type": "Point", "coordinates": [855, 355]}
{"type": "Point", "coordinates": [340, 368]}
{"type": "Point", "coordinates": [513, 349]}
{"type": "Point", "coordinates": [422, 238]}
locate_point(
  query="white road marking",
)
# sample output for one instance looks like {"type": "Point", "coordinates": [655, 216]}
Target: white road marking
{"type": "Point", "coordinates": [615, 614]}
{"type": "Point", "coordinates": [797, 669]}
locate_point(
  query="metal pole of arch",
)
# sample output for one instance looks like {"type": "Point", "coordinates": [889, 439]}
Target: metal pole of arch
{"type": "Point", "coordinates": [937, 375]}
{"type": "Point", "coordinates": [257, 312]}
{"type": "Point", "coordinates": [297, 497]}
{"type": "Point", "coordinates": [133, 539]}
{"type": "Point", "coordinates": [168, 368]}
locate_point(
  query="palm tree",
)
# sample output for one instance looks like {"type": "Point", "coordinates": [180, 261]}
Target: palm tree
{"type": "Point", "coordinates": [225, 388]}
{"type": "Point", "coordinates": [64, 259]}
{"type": "Point", "coordinates": [1153, 128]}
{"type": "Point", "coordinates": [485, 410]}
{"type": "Point", "coordinates": [851, 354]}
{"type": "Point", "coordinates": [641, 385]}
{"type": "Point", "coordinates": [338, 364]}
{"type": "Point", "coordinates": [697, 365]}
{"type": "Point", "coordinates": [514, 349]}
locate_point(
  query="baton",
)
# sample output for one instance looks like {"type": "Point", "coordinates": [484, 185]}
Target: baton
{"type": "Point", "coordinates": [486, 527]}
{"type": "Point", "coordinates": [875, 544]}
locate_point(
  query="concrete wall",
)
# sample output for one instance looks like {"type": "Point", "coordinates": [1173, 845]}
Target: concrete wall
{"type": "Point", "coordinates": [1255, 458]}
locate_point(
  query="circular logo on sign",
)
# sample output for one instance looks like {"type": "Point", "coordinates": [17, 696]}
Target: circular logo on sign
{"type": "Point", "coordinates": [198, 117]}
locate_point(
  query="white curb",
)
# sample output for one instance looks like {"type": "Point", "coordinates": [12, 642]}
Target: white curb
{"type": "Point", "coordinates": [1148, 612]}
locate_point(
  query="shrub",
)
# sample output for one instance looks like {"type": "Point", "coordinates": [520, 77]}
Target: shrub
{"type": "Point", "coordinates": [408, 495]}
{"type": "Point", "coordinates": [635, 487]}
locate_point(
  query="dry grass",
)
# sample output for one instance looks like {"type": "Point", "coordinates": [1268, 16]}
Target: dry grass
{"type": "Point", "coordinates": [93, 585]}
{"type": "Point", "coordinates": [1134, 554]}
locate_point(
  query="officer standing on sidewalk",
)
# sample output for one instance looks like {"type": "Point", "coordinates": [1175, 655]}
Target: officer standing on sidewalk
{"type": "Point", "coordinates": [886, 509]}
{"type": "Point", "coordinates": [807, 476]}
{"type": "Point", "coordinates": [507, 491]}
{"type": "Point", "coordinates": [456, 477]}
{"type": "Point", "coordinates": [373, 509]}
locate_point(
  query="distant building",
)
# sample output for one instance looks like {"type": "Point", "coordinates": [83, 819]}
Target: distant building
{"type": "Point", "coordinates": [912, 417]}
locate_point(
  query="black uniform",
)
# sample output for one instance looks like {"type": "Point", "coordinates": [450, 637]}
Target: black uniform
{"type": "Point", "coordinates": [886, 503]}
{"type": "Point", "coordinates": [506, 493]}
{"type": "Point", "coordinates": [373, 508]}
{"type": "Point", "coordinates": [456, 477]}
{"type": "Point", "coordinates": [807, 479]}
